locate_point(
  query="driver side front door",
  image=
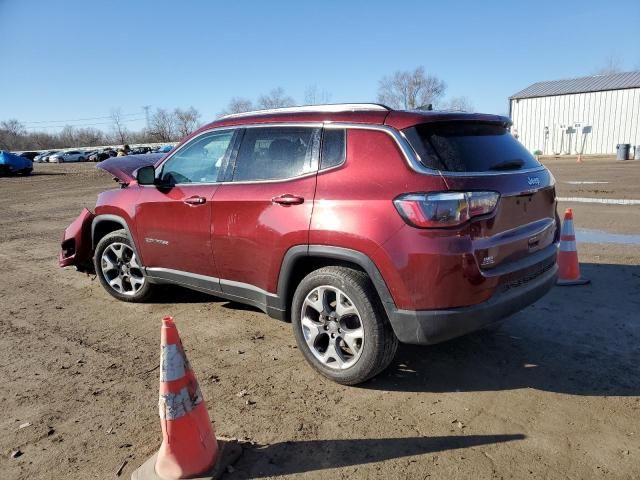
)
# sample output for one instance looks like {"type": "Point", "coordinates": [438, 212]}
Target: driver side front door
{"type": "Point", "coordinates": [173, 218]}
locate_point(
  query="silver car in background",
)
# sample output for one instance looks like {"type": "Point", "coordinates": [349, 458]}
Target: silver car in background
{"type": "Point", "coordinates": [44, 156]}
{"type": "Point", "coordinates": [70, 156]}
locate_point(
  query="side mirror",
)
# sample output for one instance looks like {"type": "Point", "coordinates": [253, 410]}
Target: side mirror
{"type": "Point", "coordinates": [146, 175]}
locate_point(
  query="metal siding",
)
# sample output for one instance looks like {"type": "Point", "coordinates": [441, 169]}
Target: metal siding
{"type": "Point", "coordinates": [556, 124]}
{"type": "Point", "coordinates": [587, 113]}
{"type": "Point", "coordinates": [633, 126]}
{"type": "Point", "coordinates": [614, 117]}
{"type": "Point", "coordinates": [599, 122]}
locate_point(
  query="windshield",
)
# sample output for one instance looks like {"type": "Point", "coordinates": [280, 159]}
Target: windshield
{"type": "Point", "coordinates": [468, 147]}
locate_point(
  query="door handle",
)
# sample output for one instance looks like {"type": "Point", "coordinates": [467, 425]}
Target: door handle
{"type": "Point", "coordinates": [288, 199]}
{"type": "Point", "coordinates": [195, 200]}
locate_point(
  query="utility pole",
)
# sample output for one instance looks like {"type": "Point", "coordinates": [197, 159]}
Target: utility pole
{"type": "Point", "coordinates": [146, 114]}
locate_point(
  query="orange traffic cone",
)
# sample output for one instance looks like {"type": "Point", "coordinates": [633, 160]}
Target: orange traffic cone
{"type": "Point", "coordinates": [568, 265]}
{"type": "Point", "coordinates": [189, 447]}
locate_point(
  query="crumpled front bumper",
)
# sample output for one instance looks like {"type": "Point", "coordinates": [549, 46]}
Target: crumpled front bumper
{"type": "Point", "coordinates": [76, 247]}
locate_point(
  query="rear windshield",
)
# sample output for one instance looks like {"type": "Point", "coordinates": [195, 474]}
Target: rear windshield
{"type": "Point", "coordinates": [468, 147]}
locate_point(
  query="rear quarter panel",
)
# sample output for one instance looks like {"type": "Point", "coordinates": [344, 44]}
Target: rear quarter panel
{"type": "Point", "coordinates": [354, 203]}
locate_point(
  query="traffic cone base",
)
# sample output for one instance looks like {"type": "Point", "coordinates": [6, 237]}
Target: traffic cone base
{"type": "Point", "coordinates": [228, 453]}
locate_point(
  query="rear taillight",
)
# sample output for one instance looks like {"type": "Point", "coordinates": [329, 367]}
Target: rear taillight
{"type": "Point", "coordinates": [445, 209]}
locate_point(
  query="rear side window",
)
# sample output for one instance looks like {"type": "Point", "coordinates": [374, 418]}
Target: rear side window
{"type": "Point", "coordinates": [468, 147]}
{"type": "Point", "coordinates": [277, 153]}
{"type": "Point", "coordinates": [333, 147]}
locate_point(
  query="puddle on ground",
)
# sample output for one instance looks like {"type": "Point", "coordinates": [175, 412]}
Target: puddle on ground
{"type": "Point", "coordinates": [586, 235]}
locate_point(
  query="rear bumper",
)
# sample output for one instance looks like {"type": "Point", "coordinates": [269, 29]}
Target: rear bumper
{"type": "Point", "coordinates": [76, 247]}
{"type": "Point", "coordinates": [424, 327]}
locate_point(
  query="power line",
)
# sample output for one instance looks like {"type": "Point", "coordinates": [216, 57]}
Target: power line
{"type": "Point", "coordinates": [82, 119]}
{"type": "Point", "coordinates": [41, 127]}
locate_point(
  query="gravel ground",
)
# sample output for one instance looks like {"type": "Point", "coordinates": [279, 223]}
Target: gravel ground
{"type": "Point", "coordinates": [554, 393]}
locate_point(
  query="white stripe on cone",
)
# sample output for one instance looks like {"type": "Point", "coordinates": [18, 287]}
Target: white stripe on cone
{"type": "Point", "coordinates": [567, 228]}
{"type": "Point", "coordinates": [176, 405]}
{"type": "Point", "coordinates": [172, 363]}
{"type": "Point", "coordinates": [568, 246]}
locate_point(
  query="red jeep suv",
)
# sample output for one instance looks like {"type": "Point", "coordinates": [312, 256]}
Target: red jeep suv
{"type": "Point", "coordinates": [362, 225]}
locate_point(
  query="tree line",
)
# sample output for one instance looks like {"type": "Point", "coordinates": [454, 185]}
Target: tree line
{"type": "Point", "coordinates": [412, 89]}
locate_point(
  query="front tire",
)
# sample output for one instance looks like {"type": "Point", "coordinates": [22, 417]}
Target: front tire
{"type": "Point", "coordinates": [119, 269]}
{"type": "Point", "coordinates": [340, 325]}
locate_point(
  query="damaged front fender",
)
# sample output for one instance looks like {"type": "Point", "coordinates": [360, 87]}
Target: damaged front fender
{"type": "Point", "coordinates": [76, 247]}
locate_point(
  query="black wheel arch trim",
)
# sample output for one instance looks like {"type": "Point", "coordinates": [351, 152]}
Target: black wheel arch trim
{"type": "Point", "coordinates": [294, 254]}
{"type": "Point", "coordinates": [108, 217]}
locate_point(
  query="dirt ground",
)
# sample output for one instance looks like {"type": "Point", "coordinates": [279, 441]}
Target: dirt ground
{"type": "Point", "coordinates": [554, 393]}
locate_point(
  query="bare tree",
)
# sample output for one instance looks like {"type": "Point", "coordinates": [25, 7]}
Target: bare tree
{"type": "Point", "coordinates": [187, 121]}
{"type": "Point", "coordinates": [163, 125]}
{"type": "Point", "coordinates": [314, 96]}
{"type": "Point", "coordinates": [611, 65]}
{"type": "Point", "coordinates": [118, 126]}
{"type": "Point", "coordinates": [88, 137]}
{"type": "Point", "coordinates": [457, 104]}
{"type": "Point", "coordinates": [238, 105]}
{"type": "Point", "coordinates": [11, 134]}
{"type": "Point", "coordinates": [410, 89]}
{"type": "Point", "coordinates": [67, 137]}
{"type": "Point", "coordinates": [276, 98]}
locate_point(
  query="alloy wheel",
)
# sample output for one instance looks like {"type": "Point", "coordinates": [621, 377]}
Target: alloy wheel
{"type": "Point", "coordinates": [121, 269]}
{"type": "Point", "coordinates": [332, 327]}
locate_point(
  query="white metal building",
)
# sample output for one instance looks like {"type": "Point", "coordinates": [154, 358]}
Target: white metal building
{"type": "Point", "coordinates": [589, 115]}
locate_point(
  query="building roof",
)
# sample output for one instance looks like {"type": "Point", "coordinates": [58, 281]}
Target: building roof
{"type": "Point", "coordinates": [596, 83]}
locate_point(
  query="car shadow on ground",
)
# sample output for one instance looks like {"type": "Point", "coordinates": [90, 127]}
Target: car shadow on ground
{"type": "Point", "coordinates": [287, 458]}
{"type": "Point", "coordinates": [38, 174]}
{"type": "Point", "coordinates": [177, 294]}
{"type": "Point", "coordinates": [581, 340]}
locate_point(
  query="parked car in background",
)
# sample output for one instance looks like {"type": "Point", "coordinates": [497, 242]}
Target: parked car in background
{"type": "Point", "coordinates": [163, 149]}
{"type": "Point", "coordinates": [12, 164]}
{"type": "Point", "coordinates": [30, 155]}
{"type": "Point", "coordinates": [362, 225]}
{"type": "Point", "coordinates": [44, 156]}
{"type": "Point", "coordinates": [70, 156]}
{"type": "Point", "coordinates": [140, 150]}
{"type": "Point", "coordinates": [102, 155]}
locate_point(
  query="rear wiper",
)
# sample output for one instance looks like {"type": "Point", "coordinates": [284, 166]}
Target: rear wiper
{"type": "Point", "coordinates": [508, 165]}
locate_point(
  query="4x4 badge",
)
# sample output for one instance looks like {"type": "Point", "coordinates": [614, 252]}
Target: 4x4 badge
{"type": "Point", "coordinates": [533, 180]}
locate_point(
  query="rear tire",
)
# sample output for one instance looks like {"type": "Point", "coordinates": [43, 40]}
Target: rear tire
{"type": "Point", "coordinates": [351, 340]}
{"type": "Point", "coordinates": [119, 269]}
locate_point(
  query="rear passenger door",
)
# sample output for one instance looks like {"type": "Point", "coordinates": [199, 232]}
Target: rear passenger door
{"type": "Point", "coordinates": [265, 206]}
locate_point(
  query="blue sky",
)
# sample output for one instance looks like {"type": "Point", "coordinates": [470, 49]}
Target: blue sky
{"type": "Point", "coordinates": [64, 60]}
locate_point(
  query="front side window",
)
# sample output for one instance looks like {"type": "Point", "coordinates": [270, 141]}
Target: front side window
{"type": "Point", "coordinates": [277, 153]}
{"type": "Point", "coordinates": [200, 161]}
